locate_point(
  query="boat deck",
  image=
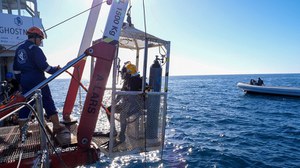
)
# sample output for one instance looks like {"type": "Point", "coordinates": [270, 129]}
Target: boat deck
{"type": "Point", "coordinates": [11, 146]}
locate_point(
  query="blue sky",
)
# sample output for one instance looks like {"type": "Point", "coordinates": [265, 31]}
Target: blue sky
{"type": "Point", "coordinates": [207, 36]}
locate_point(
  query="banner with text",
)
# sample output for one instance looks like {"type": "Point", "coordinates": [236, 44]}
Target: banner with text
{"type": "Point", "coordinates": [13, 28]}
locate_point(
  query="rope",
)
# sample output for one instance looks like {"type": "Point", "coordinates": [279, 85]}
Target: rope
{"type": "Point", "coordinates": [145, 24]}
{"type": "Point", "coordinates": [84, 88]}
{"type": "Point", "coordinates": [74, 16]}
{"type": "Point", "coordinates": [144, 110]}
{"type": "Point", "coordinates": [80, 13]}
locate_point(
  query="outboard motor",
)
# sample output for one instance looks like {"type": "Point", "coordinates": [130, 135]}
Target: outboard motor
{"type": "Point", "coordinates": [153, 101]}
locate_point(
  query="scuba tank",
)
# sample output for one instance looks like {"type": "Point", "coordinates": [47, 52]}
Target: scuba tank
{"type": "Point", "coordinates": [155, 76]}
{"type": "Point", "coordinates": [153, 102]}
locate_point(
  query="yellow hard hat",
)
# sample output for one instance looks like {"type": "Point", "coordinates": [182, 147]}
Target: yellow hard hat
{"type": "Point", "coordinates": [131, 69]}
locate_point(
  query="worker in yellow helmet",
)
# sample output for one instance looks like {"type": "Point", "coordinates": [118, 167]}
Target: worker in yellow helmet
{"type": "Point", "coordinates": [131, 77]}
{"type": "Point", "coordinates": [127, 104]}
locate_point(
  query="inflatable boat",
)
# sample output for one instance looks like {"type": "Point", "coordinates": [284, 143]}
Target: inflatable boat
{"type": "Point", "coordinates": [272, 90]}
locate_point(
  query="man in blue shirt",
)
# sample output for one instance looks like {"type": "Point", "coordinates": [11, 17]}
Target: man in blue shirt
{"type": "Point", "coordinates": [30, 63]}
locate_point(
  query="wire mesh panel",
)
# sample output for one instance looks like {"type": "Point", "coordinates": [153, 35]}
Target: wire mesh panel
{"type": "Point", "coordinates": [138, 123]}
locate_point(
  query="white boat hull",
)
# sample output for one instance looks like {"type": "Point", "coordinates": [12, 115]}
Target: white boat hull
{"type": "Point", "coordinates": [286, 91]}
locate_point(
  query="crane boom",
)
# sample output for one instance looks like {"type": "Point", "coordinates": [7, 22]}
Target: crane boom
{"type": "Point", "coordinates": [104, 51]}
{"type": "Point", "coordinates": [79, 67]}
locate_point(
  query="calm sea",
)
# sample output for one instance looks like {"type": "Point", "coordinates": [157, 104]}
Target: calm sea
{"type": "Point", "coordinates": [211, 123]}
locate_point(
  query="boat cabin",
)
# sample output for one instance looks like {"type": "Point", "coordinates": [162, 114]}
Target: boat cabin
{"type": "Point", "coordinates": [16, 17]}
